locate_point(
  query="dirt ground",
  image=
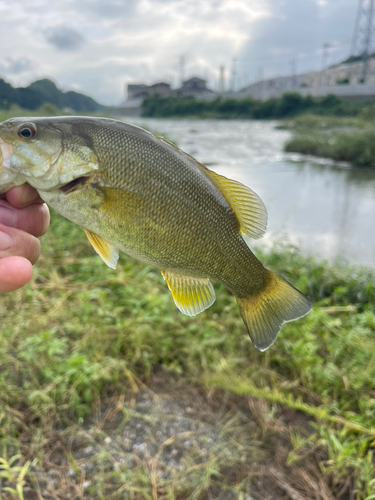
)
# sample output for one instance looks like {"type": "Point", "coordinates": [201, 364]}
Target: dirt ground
{"type": "Point", "coordinates": [173, 433]}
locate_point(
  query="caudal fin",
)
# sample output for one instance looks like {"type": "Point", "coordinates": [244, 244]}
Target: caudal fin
{"type": "Point", "coordinates": [265, 312]}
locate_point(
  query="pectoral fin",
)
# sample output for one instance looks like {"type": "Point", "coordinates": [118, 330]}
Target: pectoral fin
{"type": "Point", "coordinates": [191, 295]}
{"type": "Point", "coordinates": [106, 251]}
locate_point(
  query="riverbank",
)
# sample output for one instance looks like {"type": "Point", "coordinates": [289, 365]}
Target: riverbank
{"type": "Point", "coordinates": [340, 139]}
{"type": "Point", "coordinates": [105, 387]}
{"type": "Point", "coordinates": [291, 104]}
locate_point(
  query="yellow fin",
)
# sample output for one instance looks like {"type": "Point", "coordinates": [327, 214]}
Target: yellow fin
{"type": "Point", "coordinates": [169, 143]}
{"type": "Point", "coordinates": [246, 204]}
{"type": "Point", "coordinates": [106, 251]}
{"type": "Point", "coordinates": [191, 295]}
{"type": "Point", "coordinates": [265, 312]}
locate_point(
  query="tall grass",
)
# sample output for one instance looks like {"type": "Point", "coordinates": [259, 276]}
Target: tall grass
{"type": "Point", "coordinates": [340, 139]}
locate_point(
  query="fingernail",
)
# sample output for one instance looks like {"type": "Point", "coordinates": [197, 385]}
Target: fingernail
{"type": "Point", "coordinates": [7, 217]}
{"type": "Point", "coordinates": [6, 241]}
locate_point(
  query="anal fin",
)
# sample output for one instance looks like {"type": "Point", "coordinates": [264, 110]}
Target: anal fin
{"type": "Point", "coordinates": [106, 251]}
{"type": "Point", "coordinates": [191, 295]}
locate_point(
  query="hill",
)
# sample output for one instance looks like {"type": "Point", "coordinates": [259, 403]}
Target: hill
{"type": "Point", "coordinates": [42, 92]}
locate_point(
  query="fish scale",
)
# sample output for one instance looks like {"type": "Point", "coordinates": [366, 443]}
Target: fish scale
{"type": "Point", "coordinates": [135, 192]}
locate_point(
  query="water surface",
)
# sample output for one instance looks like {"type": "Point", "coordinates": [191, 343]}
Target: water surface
{"type": "Point", "coordinates": [328, 211]}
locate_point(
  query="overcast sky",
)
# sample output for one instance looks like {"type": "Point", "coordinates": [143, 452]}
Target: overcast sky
{"type": "Point", "coordinates": [97, 47]}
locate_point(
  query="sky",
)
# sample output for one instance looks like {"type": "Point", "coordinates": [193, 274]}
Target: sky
{"type": "Point", "coordinates": [97, 47]}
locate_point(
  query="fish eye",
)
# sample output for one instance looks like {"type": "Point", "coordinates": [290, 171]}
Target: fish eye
{"type": "Point", "coordinates": [27, 130]}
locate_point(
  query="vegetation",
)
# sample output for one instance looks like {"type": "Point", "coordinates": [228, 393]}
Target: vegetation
{"type": "Point", "coordinates": [341, 139]}
{"type": "Point", "coordinates": [79, 344]}
{"type": "Point", "coordinates": [343, 81]}
{"type": "Point", "coordinates": [83, 349]}
{"type": "Point", "coordinates": [290, 104]}
{"type": "Point", "coordinates": [326, 127]}
{"type": "Point", "coordinates": [45, 92]}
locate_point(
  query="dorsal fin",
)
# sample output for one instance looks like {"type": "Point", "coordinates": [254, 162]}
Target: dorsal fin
{"type": "Point", "coordinates": [167, 142]}
{"type": "Point", "coordinates": [245, 203]}
{"type": "Point", "coordinates": [191, 295]}
{"type": "Point", "coordinates": [106, 251]}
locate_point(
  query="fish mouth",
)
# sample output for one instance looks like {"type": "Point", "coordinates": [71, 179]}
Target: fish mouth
{"type": "Point", "coordinates": [73, 185]}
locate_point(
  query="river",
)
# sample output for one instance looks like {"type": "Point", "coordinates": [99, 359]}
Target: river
{"type": "Point", "coordinates": [327, 211]}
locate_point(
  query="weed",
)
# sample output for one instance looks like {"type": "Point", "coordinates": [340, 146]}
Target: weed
{"type": "Point", "coordinates": [13, 475]}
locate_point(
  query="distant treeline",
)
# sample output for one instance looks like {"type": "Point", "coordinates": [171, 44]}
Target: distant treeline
{"type": "Point", "coordinates": [290, 104]}
{"type": "Point", "coordinates": [42, 92]}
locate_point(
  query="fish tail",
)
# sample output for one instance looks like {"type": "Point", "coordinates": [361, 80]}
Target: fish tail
{"type": "Point", "coordinates": [265, 311]}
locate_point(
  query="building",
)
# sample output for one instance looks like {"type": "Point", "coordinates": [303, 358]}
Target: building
{"type": "Point", "coordinates": [161, 88]}
{"type": "Point", "coordinates": [193, 87]}
{"type": "Point", "coordinates": [136, 90]}
{"type": "Point", "coordinates": [343, 80]}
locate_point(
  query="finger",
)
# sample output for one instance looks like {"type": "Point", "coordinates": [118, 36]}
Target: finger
{"type": "Point", "coordinates": [33, 219]}
{"type": "Point", "coordinates": [15, 272]}
{"type": "Point", "coordinates": [14, 242]}
{"type": "Point", "coordinates": [21, 196]}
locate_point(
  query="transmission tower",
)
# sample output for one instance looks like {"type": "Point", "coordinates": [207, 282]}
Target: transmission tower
{"type": "Point", "coordinates": [364, 34]}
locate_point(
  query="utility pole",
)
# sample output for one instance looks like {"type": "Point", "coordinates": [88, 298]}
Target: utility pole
{"type": "Point", "coordinates": [363, 35]}
{"type": "Point", "coordinates": [234, 74]}
{"type": "Point", "coordinates": [222, 80]}
{"type": "Point", "coordinates": [293, 68]}
{"type": "Point", "coordinates": [326, 46]}
{"type": "Point", "coordinates": [182, 69]}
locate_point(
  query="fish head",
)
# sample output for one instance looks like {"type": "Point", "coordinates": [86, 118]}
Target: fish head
{"type": "Point", "coordinates": [47, 153]}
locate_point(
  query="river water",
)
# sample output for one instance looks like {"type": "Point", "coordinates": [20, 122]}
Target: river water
{"type": "Point", "coordinates": [327, 210]}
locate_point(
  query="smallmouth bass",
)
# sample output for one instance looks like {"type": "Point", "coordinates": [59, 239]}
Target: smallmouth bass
{"type": "Point", "coordinates": [133, 191]}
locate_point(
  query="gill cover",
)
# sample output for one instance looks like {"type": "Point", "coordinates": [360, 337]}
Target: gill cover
{"type": "Point", "coordinates": [47, 153]}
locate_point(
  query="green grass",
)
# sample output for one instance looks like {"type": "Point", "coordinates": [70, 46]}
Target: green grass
{"type": "Point", "coordinates": [350, 139]}
{"type": "Point", "coordinates": [82, 332]}
{"type": "Point", "coordinates": [44, 110]}
{"type": "Point", "coordinates": [308, 122]}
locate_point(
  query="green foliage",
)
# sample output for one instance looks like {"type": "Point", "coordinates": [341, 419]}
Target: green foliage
{"type": "Point", "coordinates": [341, 139]}
{"type": "Point", "coordinates": [290, 104]}
{"type": "Point", "coordinates": [343, 81]}
{"type": "Point", "coordinates": [43, 92]}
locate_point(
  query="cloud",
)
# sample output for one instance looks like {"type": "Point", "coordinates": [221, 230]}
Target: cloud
{"type": "Point", "coordinates": [294, 34]}
{"type": "Point", "coordinates": [63, 38]}
{"type": "Point", "coordinates": [105, 44]}
{"type": "Point", "coordinates": [108, 9]}
{"type": "Point", "coordinates": [16, 66]}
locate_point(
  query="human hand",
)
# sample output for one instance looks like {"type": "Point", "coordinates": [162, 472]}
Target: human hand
{"type": "Point", "coordinates": [23, 217]}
